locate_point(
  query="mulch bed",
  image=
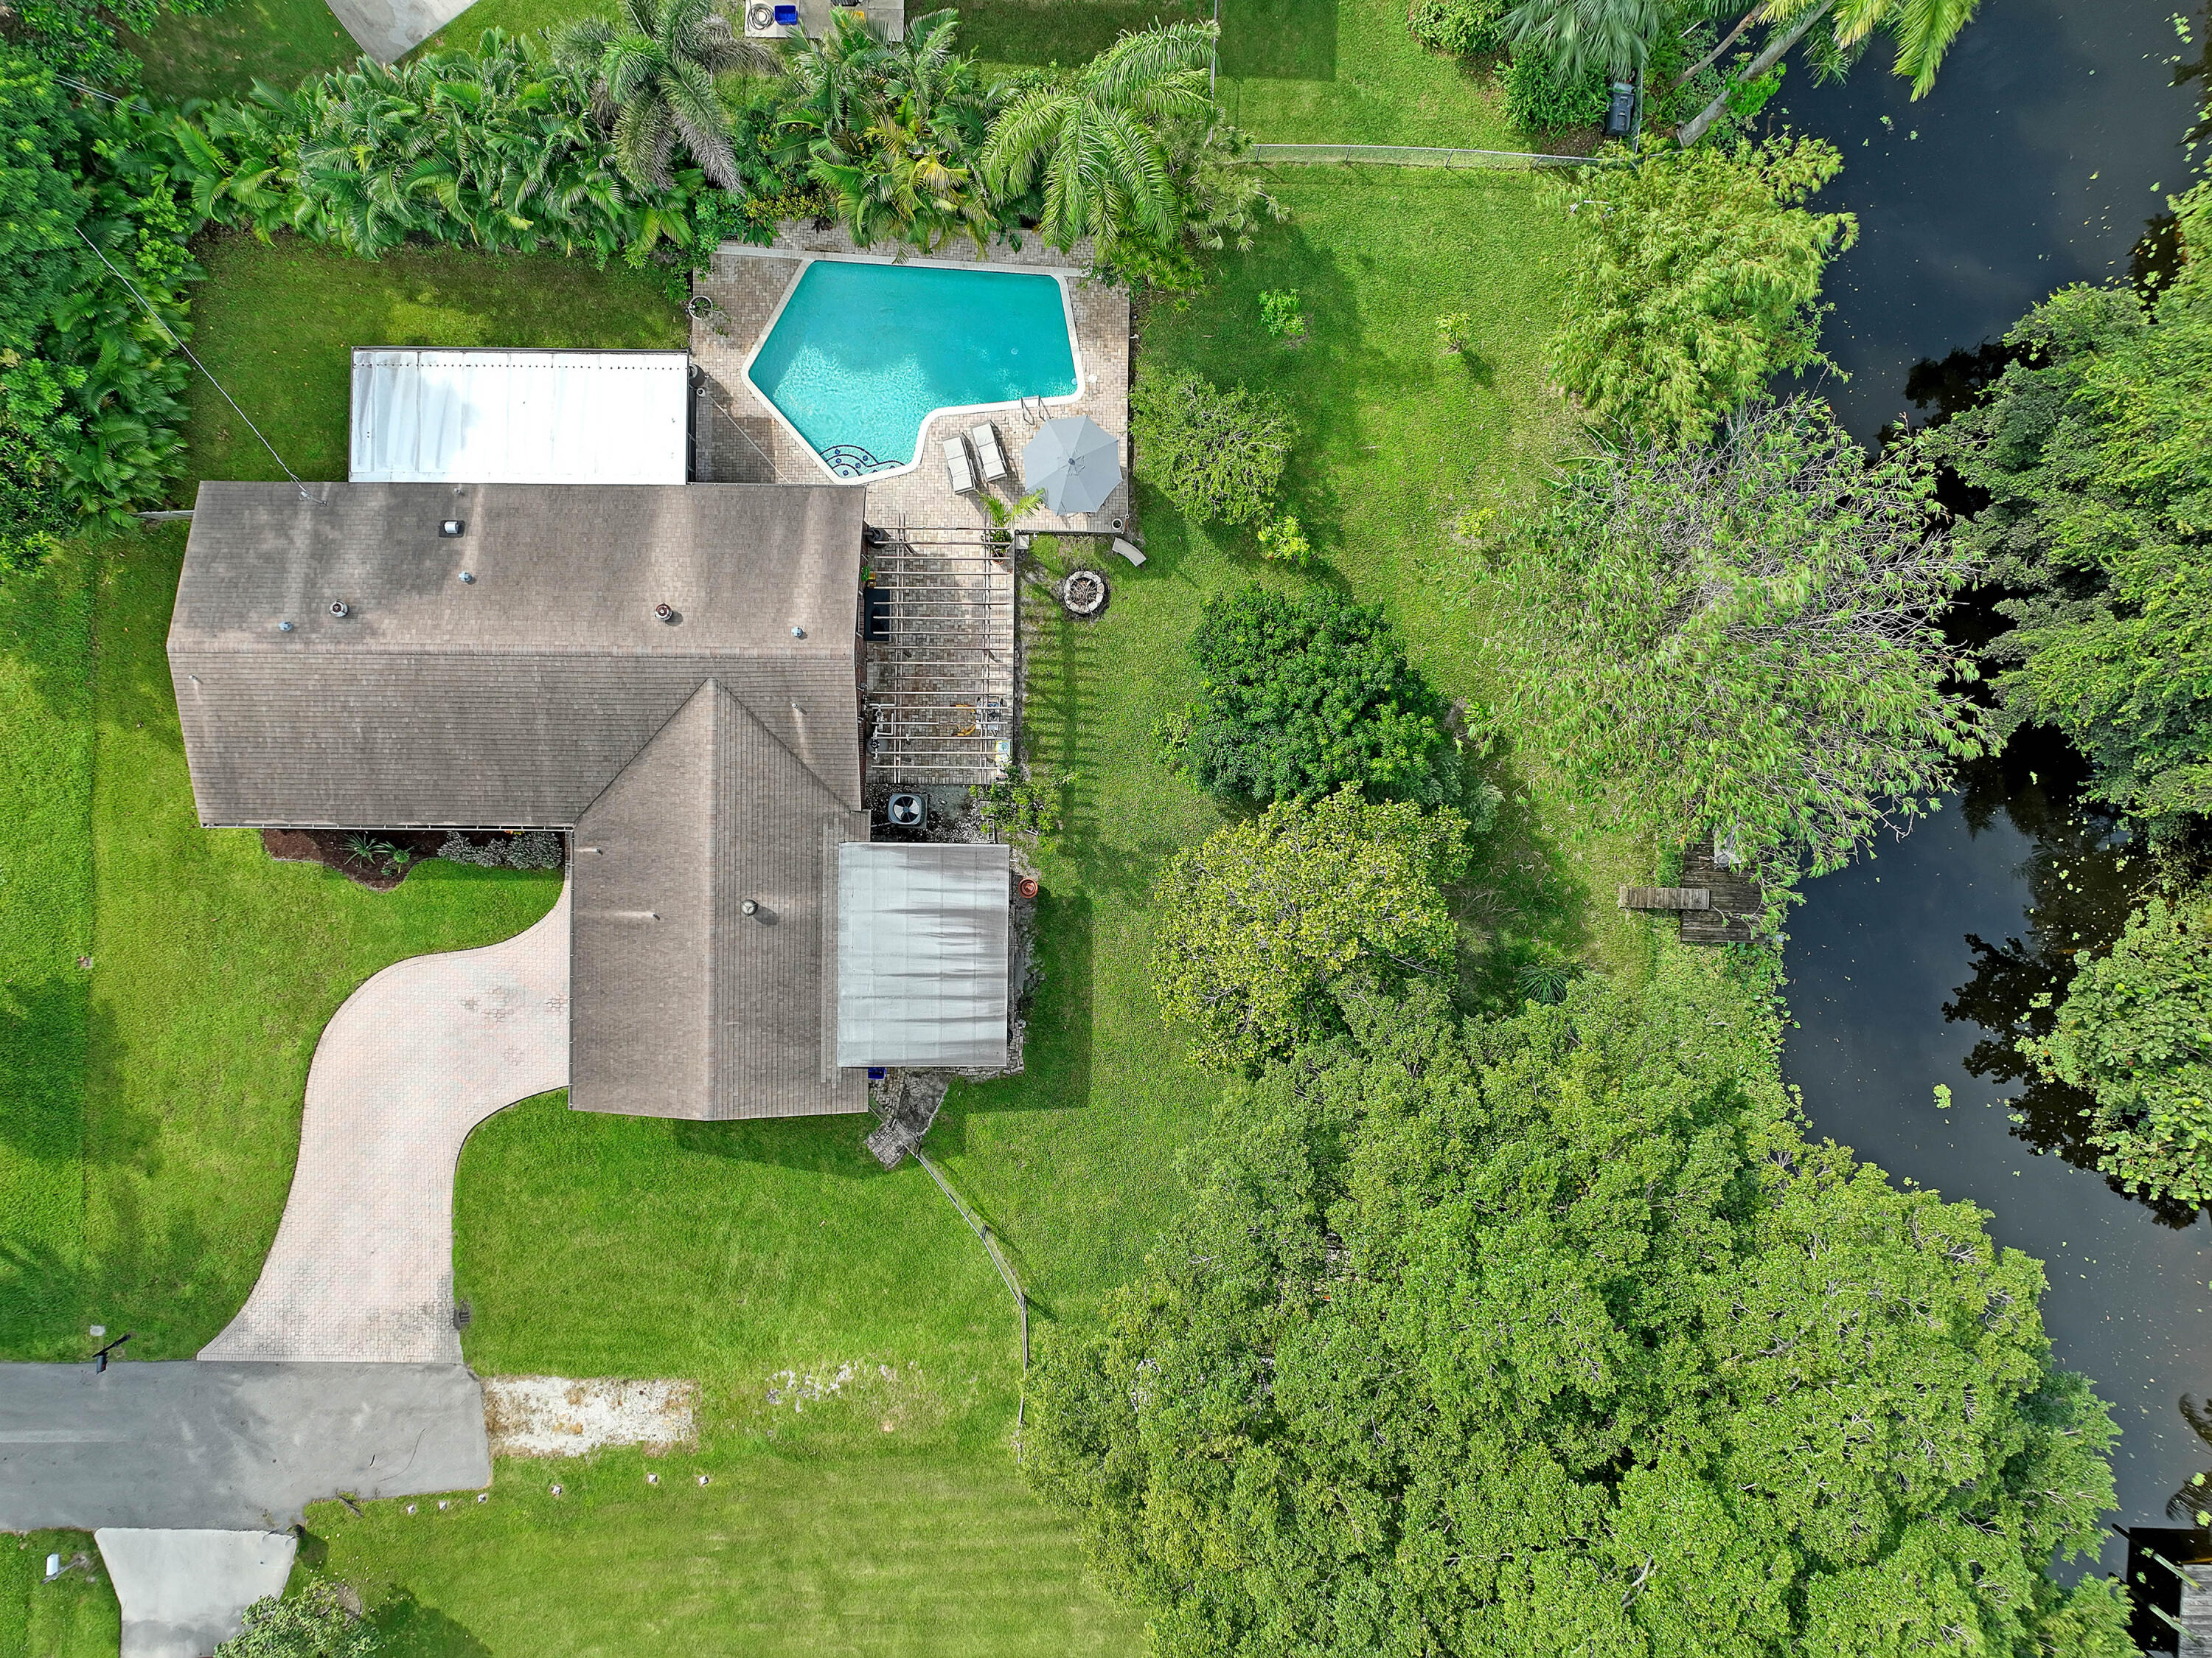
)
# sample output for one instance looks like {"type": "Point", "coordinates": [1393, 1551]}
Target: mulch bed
{"type": "Point", "coordinates": [328, 848]}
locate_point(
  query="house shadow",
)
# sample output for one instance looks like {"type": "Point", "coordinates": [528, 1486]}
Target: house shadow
{"type": "Point", "coordinates": [1056, 1053]}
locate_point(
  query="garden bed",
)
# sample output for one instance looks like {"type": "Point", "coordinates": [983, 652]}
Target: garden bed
{"type": "Point", "coordinates": [329, 848]}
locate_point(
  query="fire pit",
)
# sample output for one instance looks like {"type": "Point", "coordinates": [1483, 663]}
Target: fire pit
{"type": "Point", "coordinates": [1083, 593]}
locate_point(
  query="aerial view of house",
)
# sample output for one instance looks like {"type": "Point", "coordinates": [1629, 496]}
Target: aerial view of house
{"type": "Point", "coordinates": [1067, 827]}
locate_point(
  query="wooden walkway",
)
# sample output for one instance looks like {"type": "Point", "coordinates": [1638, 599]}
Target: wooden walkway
{"type": "Point", "coordinates": [1717, 905]}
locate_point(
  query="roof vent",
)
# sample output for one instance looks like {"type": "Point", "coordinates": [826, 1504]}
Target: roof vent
{"type": "Point", "coordinates": [466, 577]}
{"type": "Point", "coordinates": [337, 607]}
{"type": "Point", "coordinates": [284, 627]}
{"type": "Point", "coordinates": [749, 907]}
{"type": "Point", "coordinates": [798, 632]}
{"type": "Point", "coordinates": [665, 613]}
{"type": "Point", "coordinates": [451, 527]}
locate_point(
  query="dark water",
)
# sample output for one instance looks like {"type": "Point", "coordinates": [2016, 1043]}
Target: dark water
{"type": "Point", "coordinates": [2043, 157]}
{"type": "Point", "coordinates": [2052, 137]}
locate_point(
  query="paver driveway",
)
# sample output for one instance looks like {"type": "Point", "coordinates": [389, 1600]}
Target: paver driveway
{"type": "Point", "coordinates": [362, 1268]}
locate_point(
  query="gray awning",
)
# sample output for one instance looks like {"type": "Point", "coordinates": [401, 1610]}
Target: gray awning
{"type": "Point", "coordinates": [921, 954]}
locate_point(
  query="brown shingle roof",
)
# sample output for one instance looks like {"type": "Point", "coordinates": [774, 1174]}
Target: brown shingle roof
{"type": "Point", "coordinates": [684, 1006]}
{"type": "Point", "coordinates": [516, 698]}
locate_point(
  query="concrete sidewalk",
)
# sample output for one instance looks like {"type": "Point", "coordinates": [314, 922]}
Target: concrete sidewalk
{"type": "Point", "coordinates": [388, 30]}
{"type": "Point", "coordinates": [185, 1592]}
{"type": "Point", "coordinates": [363, 1267]}
{"type": "Point", "coordinates": [231, 1446]}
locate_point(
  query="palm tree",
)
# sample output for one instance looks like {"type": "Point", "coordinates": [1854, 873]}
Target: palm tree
{"type": "Point", "coordinates": [653, 79]}
{"type": "Point", "coordinates": [1107, 169]}
{"type": "Point", "coordinates": [1924, 29]}
{"type": "Point", "coordinates": [1579, 36]}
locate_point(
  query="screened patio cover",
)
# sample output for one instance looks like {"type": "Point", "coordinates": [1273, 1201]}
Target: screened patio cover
{"type": "Point", "coordinates": [506, 417]}
{"type": "Point", "coordinates": [921, 954]}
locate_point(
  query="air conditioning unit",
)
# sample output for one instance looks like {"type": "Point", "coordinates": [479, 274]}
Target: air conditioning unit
{"type": "Point", "coordinates": [765, 20]}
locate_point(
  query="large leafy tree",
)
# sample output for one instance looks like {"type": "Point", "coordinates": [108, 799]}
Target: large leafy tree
{"type": "Point", "coordinates": [1699, 280]}
{"type": "Point", "coordinates": [1742, 638]}
{"type": "Point", "coordinates": [653, 70]}
{"type": "Point", "coordinates": [312, 1623]}
{"type": "Point", "coordinates": [2134, 1034]}
{"type": "Point", "coordinates": [1258, 923]}
{"type": "Point", "coordinates": [2095, 449]}
{"type": "Point", "coordinates": [1100, 139]}
{"type": "Point", "coordinates": [1219, 452]}
{"type": "Point", "coordinates": [1554, 1335]}
{"type": "Point", "coordinates": [1302, 695]}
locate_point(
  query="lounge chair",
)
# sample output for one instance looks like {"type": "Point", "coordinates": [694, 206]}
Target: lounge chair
{"type": "Point", "coordinates": [958, 467]}
{"type": "Point", "coordinates": [988, 455]}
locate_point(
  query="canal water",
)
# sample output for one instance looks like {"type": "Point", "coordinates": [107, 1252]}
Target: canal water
{"type": "Point", "coordinates": [2043, 157]}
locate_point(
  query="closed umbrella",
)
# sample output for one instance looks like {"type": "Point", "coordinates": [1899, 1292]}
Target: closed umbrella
{"type": "Point", "coordinates": [1073, 462]}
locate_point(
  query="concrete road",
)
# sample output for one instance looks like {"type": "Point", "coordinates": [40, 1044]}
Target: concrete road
{"type": "Point", "coordinates": [228, 1446]}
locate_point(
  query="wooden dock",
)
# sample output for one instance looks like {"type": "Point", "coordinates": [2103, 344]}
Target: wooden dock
{"type": "Point", "coordinates": [1717, 905]}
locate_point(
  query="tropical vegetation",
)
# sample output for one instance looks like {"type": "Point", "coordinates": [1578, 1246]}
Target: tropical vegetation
{"type": "Point", "coordinates": [2091, 453]}
{"type": "Point", "coordinates": [312, 1623]}
{"type": "Point", "coordinates": [2134, 1032]}
{"type": "Point", "coordinates": [652, 76]}
{"type": "Point", "coordinates": [1301, 694]}
{"type": "Point", "coordinates": [1265, 924]}
{"type": "Point", "coordinates": [1743, 639]}
{"type": "Point", "coordinates": [92, 310]}
{"type": "Point", "coordinates": [1699, 280]}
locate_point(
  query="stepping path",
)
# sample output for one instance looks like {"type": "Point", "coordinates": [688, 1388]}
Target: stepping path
{"type": "Point", "coordinates": [362, 1268]}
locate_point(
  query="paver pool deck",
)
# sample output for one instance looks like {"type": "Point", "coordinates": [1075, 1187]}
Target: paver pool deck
{"type": "Point", "coordinates": [363, 1267]}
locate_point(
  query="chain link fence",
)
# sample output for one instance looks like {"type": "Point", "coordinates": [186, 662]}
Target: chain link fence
{"type": "Point", "coordinates": [1416, 156]}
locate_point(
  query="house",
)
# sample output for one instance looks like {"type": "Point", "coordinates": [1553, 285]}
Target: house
{"type": "Point", "coordinates": [668, 673]}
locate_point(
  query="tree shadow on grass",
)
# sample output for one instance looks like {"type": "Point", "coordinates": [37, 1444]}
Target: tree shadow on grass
{"type": "Point", "coordinates": [411, 1629]}
{"type": "Point", "coordinates": [1522, 904]}
{"type": "Point", "coordinates": [151, 1282]}
{"type": "Point", "coordinates": [1279, 39]}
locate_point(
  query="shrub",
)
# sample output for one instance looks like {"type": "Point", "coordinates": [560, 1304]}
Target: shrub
{"type": "Point", "coordinates": [1280, 315]}
{"type": "Point", "coordinates": [1261, 921]}
{"type": "Point", "coordinates": [1302, 696]}
{"type": "Point", "coordinates": [1454, 332]}
{"type": "Point", "coordinates": [312, 1623]}
{"type": "Point", "coordinates": [1219, 454]}
{"type": "Point", "coordinates": [90, 405]}
{"type": "Point", "coordinates": [1538, 99]}
{"type": "Point", "coordinates": [1282, 538]}
{"type": "Point", "coordinates": [1462, 27]}
{"type": "Point", "coordinates": [534, 849]}
{"type": "Point", "coordinates": [2134, 1033]}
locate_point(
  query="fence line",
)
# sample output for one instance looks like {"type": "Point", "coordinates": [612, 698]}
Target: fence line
{"type": "Point", "coordinates": [1417, 155]}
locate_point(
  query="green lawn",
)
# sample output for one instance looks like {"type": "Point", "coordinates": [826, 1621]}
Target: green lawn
{"type": "Point", "coordinates": [74, 1616]}
{"type": "Point", "coordinates": [221, 54]}
{"type": "Point", "coordinates": [278, 326]}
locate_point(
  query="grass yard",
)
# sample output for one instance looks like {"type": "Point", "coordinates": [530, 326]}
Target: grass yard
{"type": "Point", "coordinates": [1075, 1161]}
{"type": "Point", "coordinates": [278, 324]}
{"type": "Point", "coordinates": [222, 53]}
{"type": "Point", "coordinates": [74, 1616]}
{"type": "Point", "coordinates": [154, 1096]}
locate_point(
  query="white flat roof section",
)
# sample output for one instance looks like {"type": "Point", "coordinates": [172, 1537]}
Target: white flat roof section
{"type": "Point", "coordinates": [921, 954]}
{"type": "Point", "coordinates": [500, 417]}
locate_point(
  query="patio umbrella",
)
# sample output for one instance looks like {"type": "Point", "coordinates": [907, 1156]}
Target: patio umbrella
{"type": "Point", "coordinates": [1073, 462]}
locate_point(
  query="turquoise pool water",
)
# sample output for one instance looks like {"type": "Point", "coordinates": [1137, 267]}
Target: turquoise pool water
{"type": "Point", "coordinates": [862, 353]}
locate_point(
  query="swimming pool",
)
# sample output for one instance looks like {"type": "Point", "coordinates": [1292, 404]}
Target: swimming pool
{"type": "Point", "coordinates": [862, 353]}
